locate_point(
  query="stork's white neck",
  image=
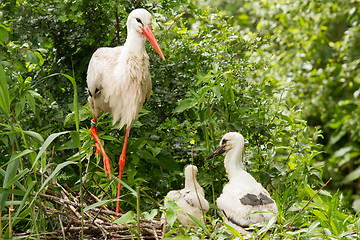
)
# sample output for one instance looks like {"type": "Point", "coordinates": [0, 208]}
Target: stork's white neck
{"type": "Point", "coordinates": [135, 43]}
{"type": "Point", "coordinates": [189, 181]}
{"type": "Point", "coordinates": [233, 163]}
{"type": "Point", "coordinates": [192, 184]}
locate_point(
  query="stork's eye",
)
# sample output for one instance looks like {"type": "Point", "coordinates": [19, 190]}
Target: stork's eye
{"type": "Point", "coordinates": [138, 20]}
{"type": "Point", "coordinates": [224, 141]}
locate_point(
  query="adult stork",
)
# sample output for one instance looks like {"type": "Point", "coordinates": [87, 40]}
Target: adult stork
{"type": "Point", "coordinates": [242, 196]}
{"type": "Point", "coordinates": [118, 81]}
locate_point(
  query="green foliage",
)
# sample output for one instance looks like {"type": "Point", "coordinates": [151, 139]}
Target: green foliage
{"type": "Point", "coordinates": [259, 75]}
{"type": "Point", "coordinates": [315, 55]}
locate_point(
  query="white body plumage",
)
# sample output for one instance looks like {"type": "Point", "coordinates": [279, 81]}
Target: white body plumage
{"type": "Point", "coordinates": [242, 195]}
{"type": "Point", "coordinates": [118, 78]}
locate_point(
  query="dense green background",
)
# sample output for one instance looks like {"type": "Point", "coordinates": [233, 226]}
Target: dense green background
{"type": "Point", "coordinates": [285, 74]}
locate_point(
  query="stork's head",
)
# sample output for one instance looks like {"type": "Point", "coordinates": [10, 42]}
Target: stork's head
{"type": "Point", "coordinates": [190, 171]}
{"type": "Point", "coordinates": [231, 140]}
{"type": "Point", "coordinates": [140, 20]}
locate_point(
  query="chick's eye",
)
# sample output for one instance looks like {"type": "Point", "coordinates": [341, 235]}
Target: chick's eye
{"type": "Point", "coordinates": [138, 20]}
{"type": "Point", "coordinates": [224, 141]}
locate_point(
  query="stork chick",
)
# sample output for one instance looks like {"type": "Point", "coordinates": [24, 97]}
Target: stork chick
{"type": "Point", "coordinates": [191, 199]}
{"type": "Point", "coordinates": [242, 195]}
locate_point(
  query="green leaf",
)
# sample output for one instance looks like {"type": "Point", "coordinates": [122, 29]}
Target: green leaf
{"type": "Point", "coordinates": [25, 198]}
{"type": "Point", "coordinates": [16, 156]}
{"type": "Point", "coordinates": [123, 184]}
{"type": "Point", "coordinates": [127, 218]}
{"type": "Point", "coordinates": [243, 19]}
{"type": "Point", "coordinates": [70, 117]}
{"type": "Point", "coordinates": [12, 191]}
{"type": "Point", "coordinates": [31, 57]}
{"type": "Point", "coordinates": [4, 93]}
{"type": "Point", "coordinates": [46, 144]}
{"type": "Point", "coordinates": [31, 101]}
{"type": "Point", "coordinates": [337, 136]}
{"type": "Point", "coordinates": [233, 231]}
{"type": "Point", "coordinates": [135, 159]}
{"type": "Point", "coordinates": [184, 104]}
{"type": "Point", "coordinates": [313, 226]}
{"type": "Point", "coordinates": [319, 214]}
{"type": "Point", "coordinates": [35, 94]}
{"type": "Point", "coordinates": [57, 169]}
{"type": "Point", "coordinates": [171, 217]}
{"type": "Point", "coordinates": [76, 138]}
{"type": "Point", "coordinates": [351, 176]}
{"type": "Point", "coordinates": [34, 135]}
{"type": "Point", "coordinates": [145, 154]}
{"type": "Point", "coordinates": [75, 102]}
{"type": "Point", "coordinates": [317, 199]}
{"type": "Point", "coordinates": [14, 179]}
{"type": "Point", "coordinates": [4, 35]}
{"type": "Point", "coordinates": [269, 225]}
{"type": "Point", "coordinates": [166, 160]}
{"type": "Point", "coordinates": [203, 78]}
{"type": "Point", "coordinates": [11, 171]}
{"type": "Point", "coordinates": [41, 59]}
{"type": "Point", "coordinates": [151, 215]}
{"type": "Point", "coordinates": [171, 212]}
{"type": "Point", "coordinates": [342, 151]}
{"type": "Point", "coordinates": [217, 91]}
{"type": "Point", "coordinates": [200, 224]}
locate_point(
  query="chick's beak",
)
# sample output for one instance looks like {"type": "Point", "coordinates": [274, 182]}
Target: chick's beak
{"type": "Point", "coordinates": [150, 36]}
{"type": "Point", "coordinates": [218, 151]}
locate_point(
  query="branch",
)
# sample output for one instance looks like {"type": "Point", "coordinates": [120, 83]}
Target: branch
{"type": "Point", "coordinates": [309, 202]}
{"type": "Point", "coordinates": [63, 201]}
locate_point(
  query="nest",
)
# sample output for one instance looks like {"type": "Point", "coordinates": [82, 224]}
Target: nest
{"type": "Point", "coordinates": [96, 223]}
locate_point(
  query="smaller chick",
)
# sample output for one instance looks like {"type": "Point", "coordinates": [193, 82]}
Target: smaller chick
{"type": "Point", "coordinates": [190, 199]}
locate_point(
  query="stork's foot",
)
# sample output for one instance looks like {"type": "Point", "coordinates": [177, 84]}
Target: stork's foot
{"type": "Point", "coordinates": [100, 148]}
{"type": "Point", "coordinates": [106, 160]}
{"type": "Point", "coordinates": [107, 167]}
{"type": "Point", "coordinates": [97, 149]}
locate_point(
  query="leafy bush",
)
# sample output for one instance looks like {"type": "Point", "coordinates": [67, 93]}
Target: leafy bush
{"type": "Point", "coordinates": [315, 54]}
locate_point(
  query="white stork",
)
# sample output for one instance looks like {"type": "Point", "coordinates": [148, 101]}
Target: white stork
{"type": "Point", "coordinates": [118, 81]}
{"type": "Point", "coordinates": [191, 199]}
{"type": "Point", "coordinates": [242, 195]}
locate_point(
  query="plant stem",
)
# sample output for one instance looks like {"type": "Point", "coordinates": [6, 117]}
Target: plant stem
{"type": "Point", "coordinates": [81, 199]}
{"type": "Point", "coordinates": [11, 209]}
{"type": "Point", "coordinates": [33, 216]}
{"type": "Point", "coordinates": [138, 211]}
{"type": "Point", "coordinates": [10, 215]}
{"type": "Point", "coordinates": [194, 181]}
{"type": "Point", "coordinates": [0, 225]}
{"type": "Point", "coordinates": [149, 197]}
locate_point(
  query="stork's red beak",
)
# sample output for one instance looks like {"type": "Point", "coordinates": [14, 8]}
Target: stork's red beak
{"type": "Point", "coordinates": [150, 36]}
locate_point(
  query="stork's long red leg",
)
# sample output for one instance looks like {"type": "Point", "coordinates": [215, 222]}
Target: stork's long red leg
{"type": "Point", "coordinates": [99, 146]}
{"type": "Point", "coordinates": [121, 167]}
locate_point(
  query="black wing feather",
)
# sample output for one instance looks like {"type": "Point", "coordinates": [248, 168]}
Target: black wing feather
{"type": "Point", "coordinates": [253, 200]}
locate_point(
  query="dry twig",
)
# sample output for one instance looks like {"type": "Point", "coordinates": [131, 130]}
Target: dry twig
{"type": "Point", "coordinates": [309, 202]}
